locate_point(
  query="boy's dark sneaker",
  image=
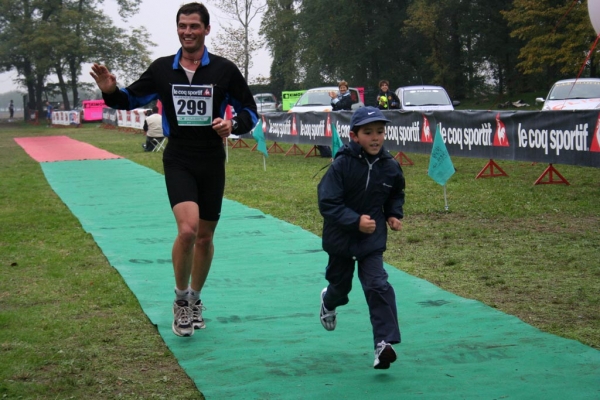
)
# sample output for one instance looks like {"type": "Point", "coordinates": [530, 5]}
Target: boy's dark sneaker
{"type": "Point", "coordinates": [182, 321]}
{"type": "Point", "coordinates": [328, 317]}
{"type": "Point", "coordinates": [384, 355]}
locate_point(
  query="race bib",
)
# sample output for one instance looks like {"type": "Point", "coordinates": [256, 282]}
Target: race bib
{"type": "Point", "coordinates": [193, 104]}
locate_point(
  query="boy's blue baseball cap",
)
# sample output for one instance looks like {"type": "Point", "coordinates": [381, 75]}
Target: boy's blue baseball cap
{"type": "Point", "coordinates": [366, 115]}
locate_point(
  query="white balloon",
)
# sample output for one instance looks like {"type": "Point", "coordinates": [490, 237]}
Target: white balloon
{"type": "Point", "coordinates": [594, 11]}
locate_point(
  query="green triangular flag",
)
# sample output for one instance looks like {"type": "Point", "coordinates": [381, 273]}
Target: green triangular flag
{"type": "Point", "coordinates": [440, 164]}
{"type": "Point", "coordinates": [336, 142]}
{"type": "Point", "coordinates": [259, 136]}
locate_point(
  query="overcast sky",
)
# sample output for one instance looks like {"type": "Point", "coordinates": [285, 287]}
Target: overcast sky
{"type": "Point", "coordinates": [158, 16]}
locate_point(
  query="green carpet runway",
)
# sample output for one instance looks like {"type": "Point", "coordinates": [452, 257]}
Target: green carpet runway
{"type": "Point", "coordinates": [263, 338]}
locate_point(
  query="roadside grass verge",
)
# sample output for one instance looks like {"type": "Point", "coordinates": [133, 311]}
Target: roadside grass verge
{"type": "Point", "coordinates": [492, 101]}
{"type": "Point", "coordinates": [70, 327]}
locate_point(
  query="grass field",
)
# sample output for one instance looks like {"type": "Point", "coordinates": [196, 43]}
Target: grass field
{"type": "Point", "coordinates": [70, 328]}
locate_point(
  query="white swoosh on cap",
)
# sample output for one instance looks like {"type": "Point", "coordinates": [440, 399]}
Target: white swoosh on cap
{"type": "Point", "coordinates": [372, 112]}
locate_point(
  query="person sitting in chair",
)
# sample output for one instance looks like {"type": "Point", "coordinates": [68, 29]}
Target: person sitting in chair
{"type": "Point", "coordinates": [153, 129]}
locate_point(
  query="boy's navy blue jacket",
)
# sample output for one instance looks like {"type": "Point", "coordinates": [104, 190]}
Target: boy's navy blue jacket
{"type": "Point", "coordinates": [351, 188]}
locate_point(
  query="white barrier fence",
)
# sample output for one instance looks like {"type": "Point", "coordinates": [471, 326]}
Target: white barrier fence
{"type": "Point", "coordinates": [129, 120]}
{"type": "Point", "coordinates": [72, 118]}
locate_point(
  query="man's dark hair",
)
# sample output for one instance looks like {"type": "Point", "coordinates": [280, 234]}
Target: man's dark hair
{"type": "Point", "coordinates": [154, 110]}
{"type": "Point", "coordinates": [194, 8]}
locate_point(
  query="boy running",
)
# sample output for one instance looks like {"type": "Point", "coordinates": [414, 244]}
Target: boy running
{"type": "Point", "coordinates": [362, 190]}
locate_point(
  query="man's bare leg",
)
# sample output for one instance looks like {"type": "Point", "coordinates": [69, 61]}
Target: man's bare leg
{"type": "Point", "coordinates": [187, 217]}
{"type": "Point", "coordinates": [204, 250]}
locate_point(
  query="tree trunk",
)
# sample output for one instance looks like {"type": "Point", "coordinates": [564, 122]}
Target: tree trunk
{"type": "Point", "coordinates": [74, 70]}
{"type": "Point", "coordinates": [246, 54]}
{"type": "Point", "coordinates": [39, 91]}
{"type": "Point", "coordinates": [62, 85]}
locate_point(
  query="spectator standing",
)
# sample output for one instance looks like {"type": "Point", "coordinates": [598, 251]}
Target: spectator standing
{"type": "Point", "coordinates": [387, 100]}
{"type": "Point", "coordinates": [48, 114]}
{"type": "Point", "coordinates": [11, 111]}
{"type": "Point", "coordinates": [195, 87]}
{"type": "Point", "coordinates": [342, 99]}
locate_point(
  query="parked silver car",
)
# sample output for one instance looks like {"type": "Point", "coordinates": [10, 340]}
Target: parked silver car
{"type": "Point", "coordinates": [266, 102]}
{"type": "Point", "coordinates": [570, 95]}
{"type": "Point", "coordinates": [425, 98]}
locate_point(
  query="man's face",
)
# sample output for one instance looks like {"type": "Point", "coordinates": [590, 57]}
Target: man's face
{"type": "Point", "coordinates": [370, 136]}
{"type": "Point", "coordinates": [343, 89]}
{"type": "Point", "coordinates": [191, 31]}
{"type": "Point", "coordinates": [384, 87]}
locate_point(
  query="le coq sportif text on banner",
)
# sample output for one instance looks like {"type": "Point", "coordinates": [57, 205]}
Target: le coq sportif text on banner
{"type": "Point", "coordinates": [557, 137]}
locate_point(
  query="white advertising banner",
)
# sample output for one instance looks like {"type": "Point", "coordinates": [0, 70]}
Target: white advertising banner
{"type": "Point", "coordinates": [72, 118]}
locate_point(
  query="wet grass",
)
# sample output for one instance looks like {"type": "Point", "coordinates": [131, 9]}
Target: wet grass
{"type": "Point", "coordinates": [70, 327]}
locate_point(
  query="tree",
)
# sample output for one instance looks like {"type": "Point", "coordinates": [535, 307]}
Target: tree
{"type": "Point", "coordinates": [227, 44]}
{"type": "Point", "coordinates": [557, 36]}
{"type": "Point", "coordinates": [468, 46]}
{"type": "Point", "coordinates": [41, 38]}
{"type": "Point", "coordinates": [21, 48]}
{"type": "Point", "coordinates": [244, 12]}
{"type": "Point", "coordinates": [279, 27]}
{"type": "Point", "coordinates": [360, 42]}
{"type": "Point", "coordinates": [445, 26]}
{"type": "Point", "coordinates": [494, 49]}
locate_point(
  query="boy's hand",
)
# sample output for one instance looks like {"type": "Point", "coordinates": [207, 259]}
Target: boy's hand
{"type": "Point", "coordinates": [394, 223]}
{"type": "Point", "coordinates": [366, 224]}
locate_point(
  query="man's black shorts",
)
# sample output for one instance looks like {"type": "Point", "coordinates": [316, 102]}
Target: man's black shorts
{"type": "Point", "coordinates": [196, 175]}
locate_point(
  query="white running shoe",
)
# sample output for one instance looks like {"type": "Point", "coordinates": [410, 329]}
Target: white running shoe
{"type": "Point", "coordinates": [384, 355]}
{"type": "Point", "coordinates": [182, 322]}
{"type": "Point", "coordinates": [328, 317]}
{"type": "Point", "coordinates": [197, 319]}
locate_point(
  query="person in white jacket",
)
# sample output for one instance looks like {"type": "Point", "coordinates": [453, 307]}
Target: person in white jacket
{"type": "Point", "coordinates": [153, 129]}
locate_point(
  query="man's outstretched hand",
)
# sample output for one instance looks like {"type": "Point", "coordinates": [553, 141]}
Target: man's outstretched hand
{"type": "Point", "coordinates": [106, 81]}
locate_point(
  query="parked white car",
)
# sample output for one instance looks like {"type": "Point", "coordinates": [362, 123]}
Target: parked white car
{"type": "Point", "coordinates": [318, 99]}
{"type": "Point", "coordinates": [425, 98]}
{"type": "Point", "coordinates": [568, 94]}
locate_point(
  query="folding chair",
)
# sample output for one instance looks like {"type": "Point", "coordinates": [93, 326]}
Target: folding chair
{"type": "Point", "coordinates": [159, 144]}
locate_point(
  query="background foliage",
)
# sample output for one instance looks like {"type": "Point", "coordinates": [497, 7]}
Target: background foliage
{"type": "Point", "coordinates": [503, 47]}
{"type": "Point", "coordinates": [39, 38]}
